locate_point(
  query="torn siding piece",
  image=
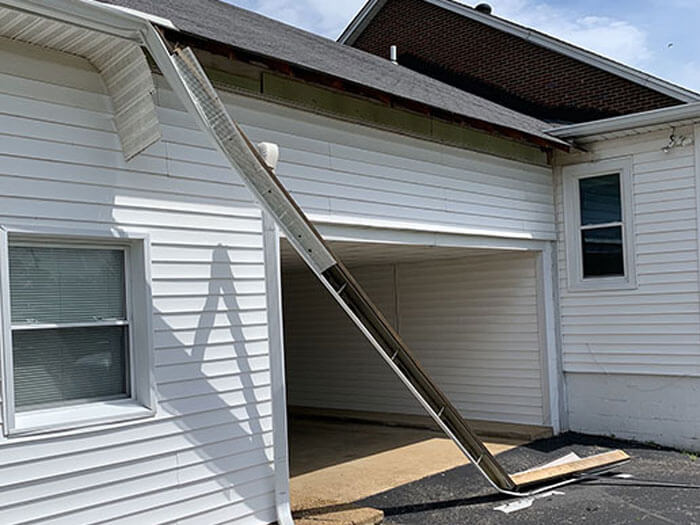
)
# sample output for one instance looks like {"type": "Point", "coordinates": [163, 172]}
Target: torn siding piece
{"type": "Point", "coordinates": [122, 66]}
{"type": "Point", "coordinates": [128, 79]}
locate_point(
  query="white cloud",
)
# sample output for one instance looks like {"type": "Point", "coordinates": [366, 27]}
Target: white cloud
{"type": "Point", "coordinates": [618, 38]}
{"type": "Point", "coordinates": [324, 17]}
{"type": "Point", "coordinates": [614, 38]}
{"type": "Point", "coordinates": [689, 75]}
{"type": "Point", "coordinates": [611, 37]}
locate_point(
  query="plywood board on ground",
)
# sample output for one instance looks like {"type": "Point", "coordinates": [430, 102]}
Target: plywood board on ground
{"type": "Point", "coordinates": [552, 473]}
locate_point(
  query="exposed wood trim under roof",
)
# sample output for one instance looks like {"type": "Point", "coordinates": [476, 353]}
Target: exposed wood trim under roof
{"type": "Point", "coordinates": [241, 29]}
{"type": "Point", "coordinates": [330, 81]}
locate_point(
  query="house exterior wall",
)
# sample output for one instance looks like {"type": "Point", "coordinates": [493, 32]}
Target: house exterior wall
{"type": "Point", "coordinates": [207, 454]}
{"type": "Point", "coordinates": [631, 357]}
{"type": "Point", "coordinates": [472, 323]}
{"type": "Point", "coordinates": [343, 172]}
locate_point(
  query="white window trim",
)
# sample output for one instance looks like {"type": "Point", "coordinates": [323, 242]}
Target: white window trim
{"type": "Point", "coordinates": [142, 400]}
{"type": "Point", "coordinates": [572, 220]}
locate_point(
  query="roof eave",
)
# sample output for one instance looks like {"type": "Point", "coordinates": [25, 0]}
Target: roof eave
{"type": "Point", "coordinates": [685, 112]}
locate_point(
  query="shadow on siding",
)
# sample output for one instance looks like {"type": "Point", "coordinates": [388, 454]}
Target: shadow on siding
{"type": "Point", "coordinates": [235, 448]}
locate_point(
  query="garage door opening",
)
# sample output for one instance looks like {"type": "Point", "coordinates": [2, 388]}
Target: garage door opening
{"type": "Point", "coordinates": [471, 318]}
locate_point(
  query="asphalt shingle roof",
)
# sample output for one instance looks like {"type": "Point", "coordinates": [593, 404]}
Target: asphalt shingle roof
{"type": "Point", "coordinates": [243, 29]}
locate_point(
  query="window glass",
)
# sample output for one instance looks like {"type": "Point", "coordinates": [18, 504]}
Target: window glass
{"type": "Point", "coordinates": [602, 252]}
{"type": "Point", "coordinates": [61, 366]}
{"type": "Point", "coordinates": [66, 285]}
{"type": "Point", "coordinates": [600, 199]}
{"type": "Point", "coordinates": [82, 354]}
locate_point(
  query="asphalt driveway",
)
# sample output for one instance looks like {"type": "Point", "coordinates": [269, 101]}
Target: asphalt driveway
{"type": "Point", "coordinates": [664, 488]}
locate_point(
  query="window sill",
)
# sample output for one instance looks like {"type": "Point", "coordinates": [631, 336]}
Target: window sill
{"type": "Point", "coordinates": [602, 284]}
{"type": "Point", "coordinates": [78, 416]}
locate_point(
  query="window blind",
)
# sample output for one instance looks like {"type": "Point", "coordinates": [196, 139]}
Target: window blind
{"type": "Point", "coordinates": [60, 366]}
{"type": "Point", "coordinates": [66, 285]}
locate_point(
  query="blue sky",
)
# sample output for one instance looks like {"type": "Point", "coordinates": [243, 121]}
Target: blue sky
{"type": "Point", "coordinates": [661, 37]}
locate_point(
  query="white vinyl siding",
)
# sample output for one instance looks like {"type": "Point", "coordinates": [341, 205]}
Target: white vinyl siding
{"type": "Point", "coordinates": [342, 171]}
{"type": "Point", "coordinates": [472, 322]}
{"type": "Point", "coordinates": [655, 328]}
{"type": "Point", "coordinates": [207, 454]}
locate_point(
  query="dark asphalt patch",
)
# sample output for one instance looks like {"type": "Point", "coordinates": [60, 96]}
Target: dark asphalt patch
{"type": "Point", "coordinates": [461, 495]}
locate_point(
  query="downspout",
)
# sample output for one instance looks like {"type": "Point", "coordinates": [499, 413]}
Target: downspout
{"type": "Point", "coordinates": [273, 294]}
{"type": "Point", "coordinates": [137, 27]}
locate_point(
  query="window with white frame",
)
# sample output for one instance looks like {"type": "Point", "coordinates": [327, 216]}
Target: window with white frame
{"type": "Point", "coordinates": [69, 323]}
{"type": "Point", "coordinates": [598, 216]}
{"type": "Point", "coordinates": [71, 347]}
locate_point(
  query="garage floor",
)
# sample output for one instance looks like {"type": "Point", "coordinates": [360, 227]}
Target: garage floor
{"type": "Point", "coordinates": [350, 473]}
{"type": "Point", "coordinates": [337, 463]}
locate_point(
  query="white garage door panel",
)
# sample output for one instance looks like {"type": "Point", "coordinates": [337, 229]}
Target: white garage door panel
{"type": "Point", "coordinates": [472, 322]}
{"type": "Point", "coordinates": [329, 363]}
{"type": "Point", "coordinates": [477, 338]}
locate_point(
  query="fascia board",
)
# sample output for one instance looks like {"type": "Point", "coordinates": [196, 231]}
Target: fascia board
{"type": "Point", "coordinates": [626, 122]}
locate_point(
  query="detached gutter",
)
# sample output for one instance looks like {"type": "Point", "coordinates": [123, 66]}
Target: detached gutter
{"type": "Point", "coordinates": [656, 117]}
{"type": "Point", "coordinates": [138, 27]}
